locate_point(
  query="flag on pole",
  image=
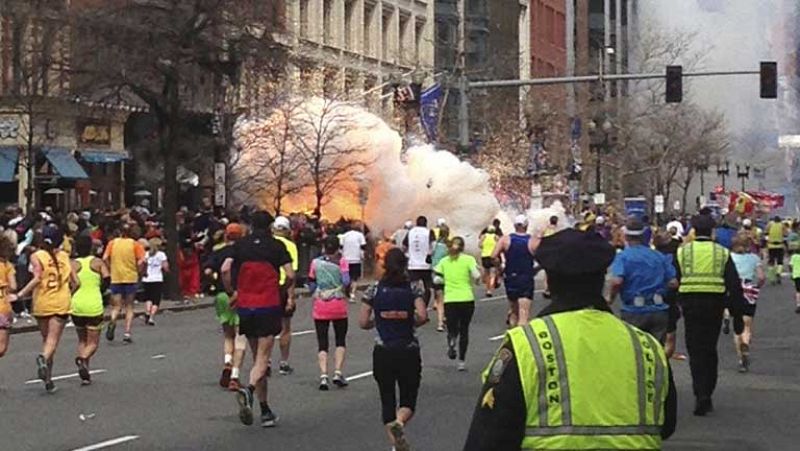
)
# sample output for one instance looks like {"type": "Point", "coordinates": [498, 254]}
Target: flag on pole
{"type": "Point", "coordinates": [430, 107]}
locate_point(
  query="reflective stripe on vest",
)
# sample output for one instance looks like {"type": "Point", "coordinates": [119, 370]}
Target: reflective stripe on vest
{"type": "Point", "coordinates": [702, 266]}
{"type": "Point", "coordinates": [545, 374]}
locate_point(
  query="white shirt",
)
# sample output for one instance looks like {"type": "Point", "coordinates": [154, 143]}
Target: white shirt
{"type": "Point", "coordinates": [678, 226]}
{"type": "Point", "coordinates": [352, 242]}
{"type": "Point", "coordinates": [154, 263]}
{"type": "Point", "coordinates": [419, 248]}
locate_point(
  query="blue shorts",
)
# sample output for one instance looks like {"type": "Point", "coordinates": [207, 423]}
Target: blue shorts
{"type": "Point", "coordinates": [124, 289]}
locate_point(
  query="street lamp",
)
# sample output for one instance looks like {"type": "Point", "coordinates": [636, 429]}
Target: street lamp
{"type": "Point", "coordinates": [724, 172]}
{"type": "Point", "coordinates": [599, 141]}
{"type": "Point", "coordinates": [743, 174]}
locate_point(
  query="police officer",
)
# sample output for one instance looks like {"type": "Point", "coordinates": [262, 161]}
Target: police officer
{"type": "Point", "coordinates": [576, 377]}
{"type": "Point", "coordinates": [708, 284]}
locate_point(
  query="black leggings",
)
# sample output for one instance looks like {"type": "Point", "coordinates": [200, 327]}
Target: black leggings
{"type": "Point", "coordinates": [396, 368]}
{"type": "Point", "coordinates": [459, 315]}
{"type": "Point", "coordinates": [339, 331]}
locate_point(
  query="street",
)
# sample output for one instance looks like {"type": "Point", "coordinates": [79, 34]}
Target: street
{"type": "Point", "coordinates": [162, 393]}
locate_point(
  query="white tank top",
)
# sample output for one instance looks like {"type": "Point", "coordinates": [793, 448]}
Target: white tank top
{"type": "Point", "coordinates": [419, 247]}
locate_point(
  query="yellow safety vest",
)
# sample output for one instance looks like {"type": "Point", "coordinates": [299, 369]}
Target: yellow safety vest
{"type": "Point", "coordinates": [775, 235]}
{"type": "Point", "coordinates": [590, 381]}
{"type": "Point", "coordinates": [702, 265]}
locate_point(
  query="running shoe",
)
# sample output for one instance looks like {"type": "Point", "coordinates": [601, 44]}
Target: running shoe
{"type": "Point", "coordinates": [323, 383]}
{"type": "Point", "coordinates": [50, 387]}
{"type": "Point", "coordinates": [462, 366]}
{"type": "Point", "coordinates": [743, 365]}
{"type": "Point", "coordinates": [726, 326]}
{"type": "Point", "coordinates": [83, 371]}
{"type": "Point", "coordinates": [451, 349]}
{"type": "Point", "coordinates": [439, 328]}
{"type": "Point", "coordinates": [268, 419]}
{"type": "Point", "coordinates": [546, 294]}
{"type": "Point", "coordinates": [489, 294]}
{"type": "Point", "coordinates": [127, 339]}
{"type": "Point", "coordinates": [400, 442]}
{"type": "Point", "coordinates": [110, 331]}
{"type": "Point", "coordinates": [234, 385]}
{"type": "Point", "coordinates": [245, 399]}
{"type": "Point", "coordinates": [285, 369]}
{"type": "Point", "coordinates": [225, 379]}
{"type": "Point", "coordinates": [150, 321]}
{"type": "Point", "coordinates": [146, 318]}
{"type": "Point", "coordinates": [339, 380]}
{"type": "Point", "coordinates": [41, 367]}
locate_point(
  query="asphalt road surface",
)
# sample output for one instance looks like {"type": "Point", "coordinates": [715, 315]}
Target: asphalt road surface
{"type": "Point", "coordinates": [161, 392]}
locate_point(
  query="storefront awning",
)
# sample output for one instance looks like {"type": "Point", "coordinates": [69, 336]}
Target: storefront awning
{"type": "Point", "coordinates": [64, 163]}
{"type": "Point", "coordinates": [8, 163]}
{"type": "Point", "coordinates": [103, 156]}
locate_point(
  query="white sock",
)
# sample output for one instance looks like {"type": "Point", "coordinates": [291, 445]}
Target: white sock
{"type": "Point", "coordinates": [228, 358]}
{"type": "Point", "coordinates": [235, 373]}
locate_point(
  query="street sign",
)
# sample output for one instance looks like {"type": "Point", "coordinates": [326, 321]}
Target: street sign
{"type": "Point", "coordinates": [600, 198]}
{"type": "Point", "coordinates": [677, 205]}
{"type": "Point", "coordinates": [219, 184]}
{"type": "Point", "coordinates": [658, 203]}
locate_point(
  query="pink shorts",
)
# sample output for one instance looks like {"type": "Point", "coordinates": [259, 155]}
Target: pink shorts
{"type": "Point", "coordinates": [6, 321]}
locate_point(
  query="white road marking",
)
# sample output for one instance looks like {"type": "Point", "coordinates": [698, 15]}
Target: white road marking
{"type": "Point", "coordinates": [159, 356]}
{"type": "Point", "coordinates": [65, 376]}
{"type": "Point", "coordinates": [359, 376]}
{"type": "Point", "coordinates": [108, 443]}
{"type": "Point", "coordinates": [497, 337]}
{"type": "Point", "coordinates": [302, 332]}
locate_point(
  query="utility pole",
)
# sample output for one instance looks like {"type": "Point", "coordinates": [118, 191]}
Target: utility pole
{"type": "Point", "coordinates": [463, 83]}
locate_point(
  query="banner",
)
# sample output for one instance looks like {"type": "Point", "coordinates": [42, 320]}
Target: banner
{"type": "Point", "coordinates": [430, 108]}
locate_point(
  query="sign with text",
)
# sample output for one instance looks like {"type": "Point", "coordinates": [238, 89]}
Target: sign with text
{"type": "Point", "coordinates": [658, 203]}
{"type": "Point", "coordinates": [94, 132]}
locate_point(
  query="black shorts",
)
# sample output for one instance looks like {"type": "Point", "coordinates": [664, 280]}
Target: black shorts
{"type": "Point", "coordinates": [796, 285]}
{"type": "Point", "coordinates": [354, 271]}
{"type": "Point", "coordinates": [514, 294]}
{"type": "Point", "coordinates": [775, 256]}
{"type": "Point", "coordinates": [153, 292]}
{"type": "Point", "coordinates": [284, 293]}
{"type": "Point", "coordinates": [88, 322]}
{"type": "Point", "coordinates": [487, 262]}
{"type": "Point", "coordinates": [260, 325]}
{"type": "Point", "coordinates": [749, 310]}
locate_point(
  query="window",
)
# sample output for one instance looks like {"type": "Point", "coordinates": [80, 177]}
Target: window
{"type": "Point", "coordinates": [304, 18]}
{"type": "Point", "coordinates": [419, 35]}
{"type": "Point", "coordinates": [369, 12]}
{"type": "Point", "coordinates": [386, 44]}
{"type": "Point", "coordinates": [327, 22]}
{"type": "Point", "coordinates": [349, 19]}
{"type": "Point", "coordinates": [405, 39]}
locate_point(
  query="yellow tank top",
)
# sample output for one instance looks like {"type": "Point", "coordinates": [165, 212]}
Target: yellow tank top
{"type": "Point", "coordinates": [88, 300]}
{"type": "Point", "coordinates": [489, 241]}
{"type": "Point", "coordinates": [52, 295]}
{"type": "Point", "coordinates": [6, 271]}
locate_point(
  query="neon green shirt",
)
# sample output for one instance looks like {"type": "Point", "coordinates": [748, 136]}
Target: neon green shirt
{"type": "Point", "coordinates": [291, 248]}
{"type": "Point", "coordinates": [458, 273]}
{"type": "Point", "coordinates": [795, 262]}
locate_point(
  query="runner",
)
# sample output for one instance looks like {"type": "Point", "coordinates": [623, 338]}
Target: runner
{"type": "Point", "coordinates": [157, 264]}
{"type": "Point", "coordinates": [418, 245]}
{"type": "Point", "coordinates": [795, 263]}
{"type": "Point", "coordinates": [125, 257]}
{"type": "Point", "coordinates": [751, 273]}
{"type": "Point", "coordinates": [518, 249]}
{"type": "Point", "coordinates": [775, 248]}
{"type": "Point", "coordinates": [87, 303]}
{"type": "Point", "coordinates": [396, 361]}
{"type": "Point", "coordinates": [53, 276]}
{"type": "Point", "coordinates": [8, 286]}
{"type": "Point", "coordinates": [353, 243]}
{"type": "Point", "coordinates": [233, 344]}
{"type": "Point", "coordinates": [457, 272]}
{"type": "Point", "coordinates": [328, 278]}
{"type": "Point", "coordinates": [255, 292]}
{"type": "Point", "coordinates": [487, 242]}
{"type": "Point", "coordinates": [440, 251]}
{"type": "Point", "coordinates": [283, 229]}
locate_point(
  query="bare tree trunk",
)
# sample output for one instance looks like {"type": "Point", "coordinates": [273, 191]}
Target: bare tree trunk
{"type": "Point", "coordinates": [167, 121]}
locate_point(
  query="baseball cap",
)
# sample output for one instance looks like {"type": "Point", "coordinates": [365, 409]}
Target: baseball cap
{"type": "Point", "coordinates": [53, 235]}
{"type": "Point", "coordinates": [747, 222]}
{"type": "Point", "coordinates": [521, 220]}
{"type": "Point", "coordinates": [408, 224]}
{"type": "Point", "coordinates": [600, 220]}
{"type": "Point", "coordinates": [440, 222]}
{"type": "Point", "coordinates": [282, 223]}
{"type": "Point", "coordinates": [634, 226]}
{"type": "Point", "coordinates": [575, 253]}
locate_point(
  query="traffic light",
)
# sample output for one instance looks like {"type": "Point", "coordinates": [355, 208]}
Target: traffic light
{"type": "Point", "coordinates": [674, 84]}
{"type": "Point", "coordinates": [769, 80]}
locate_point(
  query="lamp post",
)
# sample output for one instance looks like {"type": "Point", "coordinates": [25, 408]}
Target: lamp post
{"type": "Point", "coordinates": [599, 142]}
{"type": "Point", "coordinates": [743, 174]}
{"type": "Point", "coordinates": [724, 172]}
{"type": "Point", "coordinates": [702, 168]}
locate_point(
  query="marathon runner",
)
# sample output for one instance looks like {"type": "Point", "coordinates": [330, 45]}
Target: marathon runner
{"type": "Point", "coordinates": [87, 303]}
{"type": "Point", "coordinates": [8, 286]}
{"type": "Point", "coordinates": [419, 245]}
{"type": "Point", "coordinates": [795, 263]}
{"type": "Point", "coordinates": [156, 264]}
{"type": "Point", "coordinates": [234, 345]}
{"type": "Point", "coordinates": [283, 229]}
{"type": "Point", "coordinates": [255, 292]}
{"type": "Point", "coordinates": [748, 265]}
{"type": "Point", "coordinates": [775, 248]}
{"type": "Point", "coordinates": [518, 249]}
{"type": "Point", "coordinates": [125, 257]}
{"type": "Point", "coordinates": [487, 242]}
{"type": "Point", "coordinates": [53, 278]}
{"type": "Point", "coordinates": [440, 250]}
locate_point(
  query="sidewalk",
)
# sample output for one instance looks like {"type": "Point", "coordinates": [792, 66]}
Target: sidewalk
{"type": "Point", "coordinates": [29, 324]}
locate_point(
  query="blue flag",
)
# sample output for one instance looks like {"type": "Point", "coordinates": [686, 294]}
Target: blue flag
{"type": "Point", "coordinates": [430, 107]}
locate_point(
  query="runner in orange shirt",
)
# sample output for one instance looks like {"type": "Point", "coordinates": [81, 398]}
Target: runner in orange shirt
{"type": "Point", "coordinates": [126, 258]}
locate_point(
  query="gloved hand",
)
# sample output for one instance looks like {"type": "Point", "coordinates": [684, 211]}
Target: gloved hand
{"type": "Point", "coordinates": [738, 324]}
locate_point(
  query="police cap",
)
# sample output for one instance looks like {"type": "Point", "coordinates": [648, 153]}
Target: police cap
{"type": "Point", "coordinates": [572, 253]}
